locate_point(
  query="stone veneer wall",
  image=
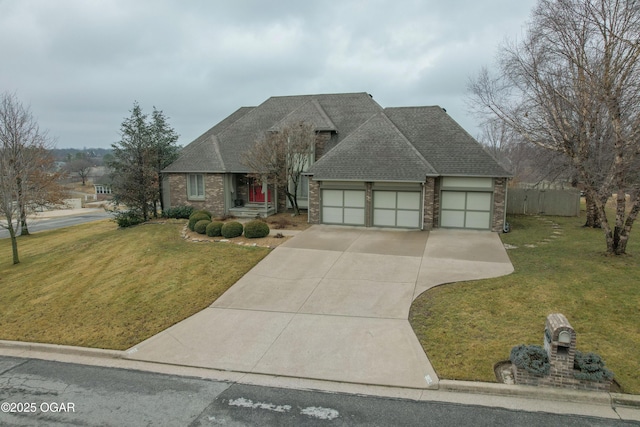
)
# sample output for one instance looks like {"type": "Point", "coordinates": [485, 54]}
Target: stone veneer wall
{"type": "Point", "coordinates": [499, 204]}
{"type": "Point", "coordinates": [314, 201]}
{"type": "Point", "coordinates": [429, 198]}
{"type": "Point", "coordinates": [436, 202]}
{"type": "Point", "coordinates": [213, 193]}
{"type": "Point", "coordinates": [368, 202]}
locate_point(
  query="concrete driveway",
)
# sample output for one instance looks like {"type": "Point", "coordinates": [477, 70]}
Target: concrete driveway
{"type": "Point", "coordinates": [332, 304]}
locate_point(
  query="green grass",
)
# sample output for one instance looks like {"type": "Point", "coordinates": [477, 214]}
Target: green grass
{"type": "Point", "coordinates": [466, 327]}
{"type": "Point", "coordinates": [95, 285]}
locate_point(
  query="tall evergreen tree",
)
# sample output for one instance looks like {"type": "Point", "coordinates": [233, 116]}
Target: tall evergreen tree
{"type": "Point", "coordinates": [138, 158]}
{"type": "Point", "coordinates": [164, 140]}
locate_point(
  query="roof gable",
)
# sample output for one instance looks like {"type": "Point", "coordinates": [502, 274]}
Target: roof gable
{"type": "Point", "coordinates": [376, 151]}
{"type": "Point", "coordinates": [310, 112]}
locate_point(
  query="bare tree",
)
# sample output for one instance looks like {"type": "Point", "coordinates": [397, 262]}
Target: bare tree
{"type": "Point", "coordinates": [80, 166]}
{"type": "Point", "coordinates": [572, 86]}
{"type": "Point", "coordinates": [282, 157]}
{"type": "Point", "coordinates": [43, 183]}
{"type": "Point", "coordinates": [24, 160]}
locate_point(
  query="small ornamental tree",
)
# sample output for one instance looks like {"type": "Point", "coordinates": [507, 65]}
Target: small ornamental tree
{"type": "Point", "coordinates": [282, 157]}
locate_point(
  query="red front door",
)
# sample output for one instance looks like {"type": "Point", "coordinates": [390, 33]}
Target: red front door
{"type": "Point", "coordinates": [255, 192]}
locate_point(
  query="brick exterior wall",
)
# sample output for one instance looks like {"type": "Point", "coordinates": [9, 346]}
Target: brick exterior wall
{"type": "Point", "coordinates": [314, 202]}
{"type": "Point", "coordinates": [322, 139]}
{"type": "Point", "coordinates": [213, 193]}
{"type": "Point", "coordinates": [499, 204]}
{"type": "Point", "coordinates": [429, 197]}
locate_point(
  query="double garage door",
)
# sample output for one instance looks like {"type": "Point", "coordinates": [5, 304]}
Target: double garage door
{"type": "Point", "coordinates": [466, 209]}
{"type": "Point", "coordinates": [390, 208]}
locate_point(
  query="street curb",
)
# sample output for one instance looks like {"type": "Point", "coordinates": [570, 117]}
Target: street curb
{"type": "Point", "coordinates": [630, 400]}
{"type": "Point", "coordinates": [470, 387]}
{"type": "Point", "coordinates": [62, 349]}
{"type": "Point", "coordinates": [541, 393]}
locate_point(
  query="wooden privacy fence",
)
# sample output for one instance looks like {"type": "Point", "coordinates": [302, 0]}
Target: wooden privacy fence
{"type": "Point", "coordinates": [531, 201]}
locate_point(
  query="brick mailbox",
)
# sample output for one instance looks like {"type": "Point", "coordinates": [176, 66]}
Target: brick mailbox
{"type": "Point", "coordinates": [560, 345]}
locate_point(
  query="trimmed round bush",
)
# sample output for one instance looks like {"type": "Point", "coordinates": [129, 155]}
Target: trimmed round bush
{"type": "Point", "coordinates": [201, 226]}
{"type": "Point", "coordinates": [195, 217]}
{"type": "Point", "coordinates": [531, 358]}
{"type": "Point", "coordinates": [201, 211]}
{"type": "Point", "coordinates": [214, 229]}
{"type": "Point", "coordinates": [256, 229]}
{"type": "Point", "coordinates": [231, 229]}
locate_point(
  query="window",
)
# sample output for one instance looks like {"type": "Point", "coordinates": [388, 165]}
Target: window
{"type": "Point", "coordinates": [303, 187]}
{"type": "Point", "coordinates": [102, 189]}
{"type": "Point", "coordinates": [195, 186]}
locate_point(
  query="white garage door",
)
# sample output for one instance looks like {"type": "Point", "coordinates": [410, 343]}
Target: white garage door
{"type": "Point", "coordinates": [396, 209]}
{"type": "Point", "coordinates": [466, 209]}
{"type": "Point", "coordinates": [343, 207]}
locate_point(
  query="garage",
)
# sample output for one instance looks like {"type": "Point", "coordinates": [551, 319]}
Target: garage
{"type": "Point", "coordinates": [466, 209]}
{"type": "Point", "coordinates": [466, 202]}
{"type": "Point", "coordinates": [397, 209]}
{"type": "Point", "coordinates": [343, 207]}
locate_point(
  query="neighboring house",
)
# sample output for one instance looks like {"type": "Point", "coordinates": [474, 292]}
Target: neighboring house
{"type": "Point", "coordinates": [101, 182]}
{"type": "Point", "coordinates": [409, 167]}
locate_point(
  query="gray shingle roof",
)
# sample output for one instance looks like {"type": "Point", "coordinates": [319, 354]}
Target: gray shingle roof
{"type": "Point", "coordinates": [203, 154]}
{"type": "Point", "coordinates": [367, 142]}
{"type": "Point", "coordinates": [447, 146]}
{"type": "Point", "coordinates": [376, 151]}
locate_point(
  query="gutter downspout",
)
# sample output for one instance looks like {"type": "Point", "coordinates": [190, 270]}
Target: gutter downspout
{"type": "Point", "coordinates": [505, 225]}
{"type": "Point", "coordinates": [422, 208]}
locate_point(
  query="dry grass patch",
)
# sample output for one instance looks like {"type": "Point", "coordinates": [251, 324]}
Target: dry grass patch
{"type": "Point", "coordinates": [95, 285]}
{"type": "Point", "coordinates": [467, 327]}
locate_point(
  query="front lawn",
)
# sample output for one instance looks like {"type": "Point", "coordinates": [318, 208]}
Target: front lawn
{"type": "Point", "coordinates": [465, 328]}
{"type": "Point", "coordinates": [95, 285]}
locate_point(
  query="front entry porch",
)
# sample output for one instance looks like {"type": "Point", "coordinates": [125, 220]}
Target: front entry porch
{"type": "Point", "coordinates": [253, 210]}
{"type": "Point", "coordinates": [250, 198]}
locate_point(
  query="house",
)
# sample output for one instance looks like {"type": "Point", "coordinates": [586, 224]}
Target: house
{"type": "Point", "coordinates": [407, 167]}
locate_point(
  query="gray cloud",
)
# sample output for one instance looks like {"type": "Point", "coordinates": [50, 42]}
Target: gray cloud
{"type": "Point", "coordinates": [80, 65]}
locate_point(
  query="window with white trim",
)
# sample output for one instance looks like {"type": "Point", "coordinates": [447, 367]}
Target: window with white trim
{"type": "Point", "coordinates": [195, 186]}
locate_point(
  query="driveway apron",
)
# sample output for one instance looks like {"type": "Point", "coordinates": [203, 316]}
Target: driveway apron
{"type": "Point", "coordinates": [331, 304]}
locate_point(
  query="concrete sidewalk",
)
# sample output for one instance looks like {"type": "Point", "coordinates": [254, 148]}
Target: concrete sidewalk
{"type": "Point", "coordinates": [330, 304]}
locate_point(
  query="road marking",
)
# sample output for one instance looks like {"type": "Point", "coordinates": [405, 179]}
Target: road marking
{"type": "Point", "coordinates": [321, 413]}
{"type": "Point", "coordinates": [311, 411]}
{"type": "Point", "coordinates": [248, 403]}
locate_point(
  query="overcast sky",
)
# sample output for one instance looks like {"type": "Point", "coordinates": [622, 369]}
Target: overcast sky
{"type": "Point", "coordinates": [81, 64]}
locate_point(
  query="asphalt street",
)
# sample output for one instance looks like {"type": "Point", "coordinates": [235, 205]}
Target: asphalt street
{"type": "Point", "coordinates": [43, 224]}
{"type": "Point", "coordinates": [37, 392]}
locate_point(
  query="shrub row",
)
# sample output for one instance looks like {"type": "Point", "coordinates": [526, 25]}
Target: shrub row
{"type": "Point", "coordinates": [203, 225]}
{"type": "Point", "coordinates": [180, 212]}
